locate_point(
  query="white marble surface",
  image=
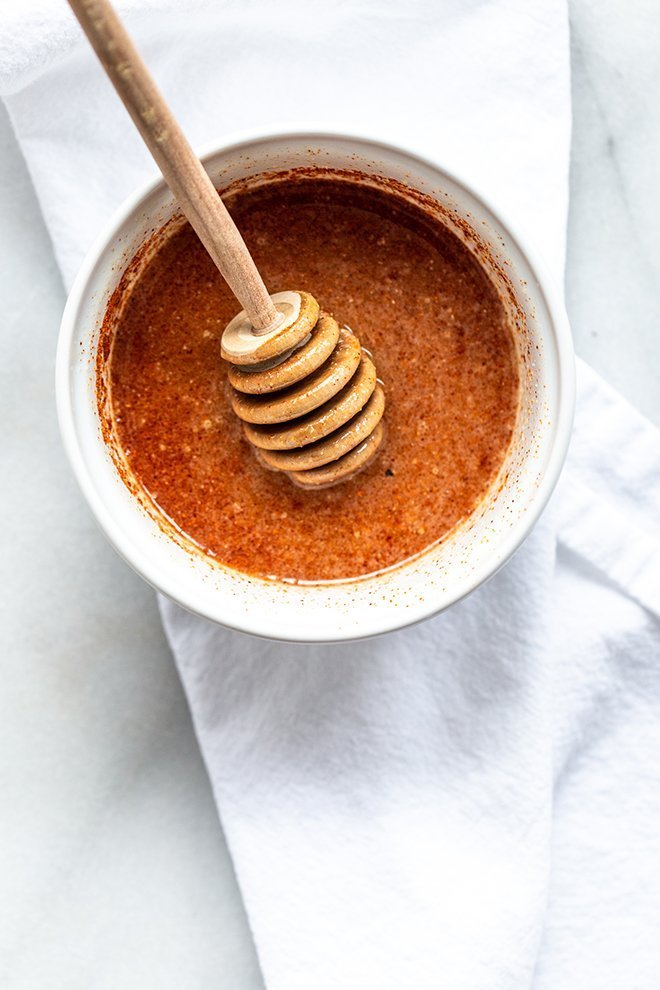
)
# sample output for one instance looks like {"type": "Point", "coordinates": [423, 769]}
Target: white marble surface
{"type": "Point", "coordinates": [613, 263]}
{"type": "Point", "coordinates": [112, 863]}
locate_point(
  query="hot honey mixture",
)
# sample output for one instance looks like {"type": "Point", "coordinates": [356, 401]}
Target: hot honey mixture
{"type": "Point", "coordinates": [420, 302]}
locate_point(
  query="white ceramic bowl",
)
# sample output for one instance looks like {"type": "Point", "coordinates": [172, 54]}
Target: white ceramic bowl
{"type": "Point", "coordinates": [354, 609]}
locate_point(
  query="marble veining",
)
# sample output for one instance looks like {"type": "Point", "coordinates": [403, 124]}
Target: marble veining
{"type": "Point", "coordinates": [612, 284]}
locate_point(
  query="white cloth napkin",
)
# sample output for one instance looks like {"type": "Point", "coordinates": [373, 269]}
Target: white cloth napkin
{"type": "Point", "coordinates": [475, 802]}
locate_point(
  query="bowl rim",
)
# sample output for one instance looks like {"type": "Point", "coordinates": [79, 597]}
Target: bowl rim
{"type": "Point", "coordinates": [141, 563]}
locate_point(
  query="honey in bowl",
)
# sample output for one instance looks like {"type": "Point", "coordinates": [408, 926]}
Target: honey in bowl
{"type": "Point", "coordinates": [442, 338]}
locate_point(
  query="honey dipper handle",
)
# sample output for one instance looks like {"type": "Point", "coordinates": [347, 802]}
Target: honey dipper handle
{"type": "Point", "coordinates": [182, 170]}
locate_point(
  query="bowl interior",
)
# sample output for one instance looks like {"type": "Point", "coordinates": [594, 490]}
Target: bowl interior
{"type": "Point", "coordinates": [328, 612]}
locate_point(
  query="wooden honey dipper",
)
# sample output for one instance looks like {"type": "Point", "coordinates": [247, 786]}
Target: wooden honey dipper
{"type": "Point", "coordinates": [304, 388]}
{"type": "Point", "coordinates": [307, 393]}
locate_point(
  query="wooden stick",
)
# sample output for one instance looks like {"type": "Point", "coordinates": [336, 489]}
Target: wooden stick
{"type": "Point", "coordinates": [182, 170]}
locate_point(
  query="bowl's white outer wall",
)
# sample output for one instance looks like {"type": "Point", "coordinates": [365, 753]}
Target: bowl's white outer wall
{"type": "Point", "coordinates": [334, 612]}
